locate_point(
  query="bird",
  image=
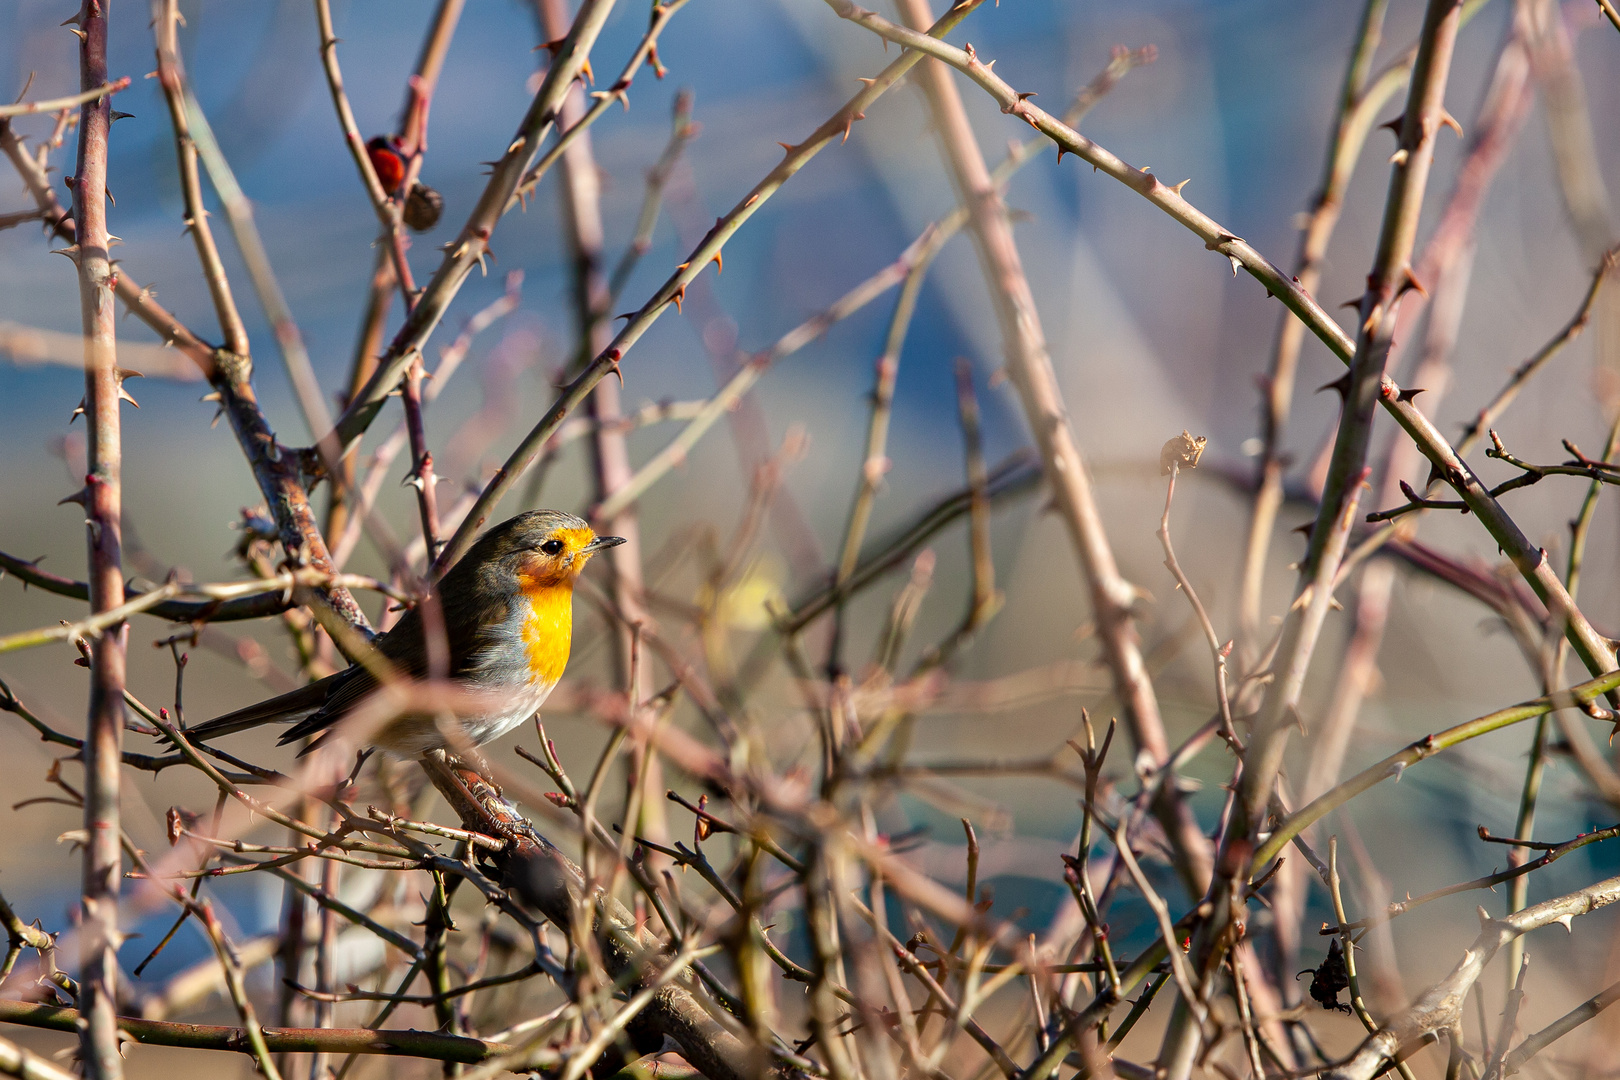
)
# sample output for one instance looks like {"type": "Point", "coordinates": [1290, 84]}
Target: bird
{"type": "Point", "coordinates": [507, 608]}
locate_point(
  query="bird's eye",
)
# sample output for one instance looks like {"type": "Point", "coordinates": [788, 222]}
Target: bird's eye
{"type": "Point", "coordinates": [552, 547]}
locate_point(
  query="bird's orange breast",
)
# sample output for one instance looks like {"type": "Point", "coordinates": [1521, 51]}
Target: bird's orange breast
{"type": "Point", "coordinates": [547, 627]}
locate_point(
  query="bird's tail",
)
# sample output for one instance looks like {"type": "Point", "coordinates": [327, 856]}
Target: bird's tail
{"type": "Point", "coordinates": [293, 705]}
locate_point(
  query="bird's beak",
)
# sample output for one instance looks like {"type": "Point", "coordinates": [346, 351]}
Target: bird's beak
{"type": "Point", "coordinates": [601, 543]}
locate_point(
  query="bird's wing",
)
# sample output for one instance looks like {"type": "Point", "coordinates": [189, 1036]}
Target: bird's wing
{"type": "Point", "coordinates": [323, 701]}
{"type": "Point", "coordinates": [400, 648]}
{"type": "Point", "coordinates": [293, 705]}
{"type": "Point", "coordinates": [467, 627]}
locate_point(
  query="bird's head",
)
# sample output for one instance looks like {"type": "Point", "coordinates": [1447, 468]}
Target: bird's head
{"type": "Point", "coordinates": [539, 549]}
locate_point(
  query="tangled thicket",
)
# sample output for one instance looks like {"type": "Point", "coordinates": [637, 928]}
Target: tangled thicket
{"type": "Point", "coordinates": [755, 919]}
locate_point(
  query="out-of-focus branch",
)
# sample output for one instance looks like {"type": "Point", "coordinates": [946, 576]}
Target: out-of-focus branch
{"type": "Point", "coordinates": [683, 131]}
{"type": "Point", "coordinates": [239, 212]}
{"type": "Point", "coordinates": [1391, 276]}
{"type": "Point", "coordinates": [1446, 264]}
{"type": "Point", "coordinates": [1575, 154]}
{"type": "Point", "coordinates": [1013, 477]}
{"type": "Point", "coordinates": [1580, 1014]}
{"type": "Point", "coordinates": [26, 1065]}
{"type": "Point", "coordinates": [1491, 413]}
{"type": "Point", "coordinates": [102, 500]}
{"type": "Point", "coordinates": [1349, 136]}
{"type": "Point", "coordinates": [172, 78]}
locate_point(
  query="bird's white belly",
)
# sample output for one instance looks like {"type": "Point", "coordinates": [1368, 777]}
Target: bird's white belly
{"type": "Point", "coordinates": [417, 735]}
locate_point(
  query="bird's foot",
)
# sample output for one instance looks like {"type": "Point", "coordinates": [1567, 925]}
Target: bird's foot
{"type": "Point", "coordinates": [473, 761]}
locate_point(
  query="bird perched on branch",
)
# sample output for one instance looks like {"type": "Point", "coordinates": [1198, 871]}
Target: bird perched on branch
{"type": "Point", "coordinates": [507, 610]}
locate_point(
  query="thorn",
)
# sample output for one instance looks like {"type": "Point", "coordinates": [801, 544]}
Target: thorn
{"type": "Point", "coordinates": [786, 146]}
{"type": "Point", "coordinates": [1061, 151]}
{"type": "Point", "coordinates": [1567, 922]}
{"type": "Point", "coordinates": [614, 356]}
{"type": "Point", "coordinates": [868, 82]}
{"type": "Point", "coordinates": [1395, 124]}
{"type": "Point", "coordinates": [680, 294]}
{"type": "Point", "coordinates": [1399, 157]}
{"type": "Point", "coordinates": [1447, 120]}
{"type": "Point", "coordinates": [849, 122]}
{"type": "Point", "coordinates": [1409, 280]}
{"type": "Point", "coordinates": [626, 316]}
{"type": "Point", "coordinates": [720, 261]}
{"type": "Point", "coordinates": [77, 20]}
{"type": "Point", "coordinates": [1236, 262]}
{"type": "Point", "coordinates": [1307, 528]}
{"type": "Point", "coordinates": [80, 34]}
{"type": "Point", "coordinates": [72, 252]}
{"type": "Point", "coordinates": [1024, 95]}
{"type": "Point", "coordinates": [1352, 303]}
{"type": "Point", "coordinates": [78, 412]}
{"type": "Point", "coordinates": [587, 72]}
{"type": "Point", "coordinates": [117, 116]}
{"type": "Point", "coordinates": [123, 395]}
{"type": "Point", "coordinates": [1341, 385]}
{"type": "Point", "coordinates": [82, 497]}
{"type": "Point", "coordinates": [682, 266]}
{"type": "Point", "coordinates": [1409, 394]}
{"type": "Point", "coordinates": [1177, 187]}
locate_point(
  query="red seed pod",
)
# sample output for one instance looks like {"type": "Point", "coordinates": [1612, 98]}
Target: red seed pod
{"type": "Point", "coordinates": [423, 207]}
{"type": "Point", "coordinates": [386, 159]}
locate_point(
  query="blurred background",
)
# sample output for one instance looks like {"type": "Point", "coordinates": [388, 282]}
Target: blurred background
{"type": "Point", "coordinates": [1150, 334]}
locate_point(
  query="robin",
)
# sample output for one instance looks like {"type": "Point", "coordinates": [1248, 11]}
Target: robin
{"type": "Point", "coordinates": [508, 617]}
